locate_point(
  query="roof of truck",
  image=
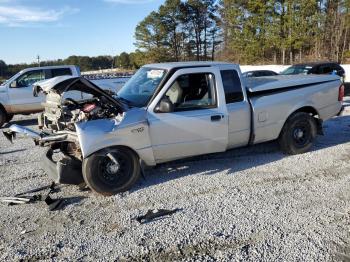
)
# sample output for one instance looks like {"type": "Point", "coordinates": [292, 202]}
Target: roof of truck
{"type": "Point", "coordinates": [172, 65]}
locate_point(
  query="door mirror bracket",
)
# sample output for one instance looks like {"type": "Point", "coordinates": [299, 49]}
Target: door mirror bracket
{"type": "Point", "coordinates": [165, 106]}
{"type": "Point", "coordinates": [13, 84]}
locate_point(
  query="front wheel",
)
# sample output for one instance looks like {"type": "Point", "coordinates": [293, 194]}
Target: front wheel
{"type": "Point", "coordinates": [3, 117]}
{"type": "Point", "coordinates": [298, 134]}
{"type": "Point", "coordinates": [9, 117]}
{"type": "Point", "coordinates": [111, 170]}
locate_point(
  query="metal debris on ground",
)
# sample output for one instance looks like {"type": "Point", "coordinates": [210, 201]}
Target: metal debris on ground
{"type": "Point", "coordinates": [53, 204]}
{"type": "Point", "coordinates": [15, 200]}
{"type": "Point", "coordinates": [9, 135]}
{"type": "Point", "coordinates": [52, 187]}
{"type": "Point", "coordinates": [153, 214]}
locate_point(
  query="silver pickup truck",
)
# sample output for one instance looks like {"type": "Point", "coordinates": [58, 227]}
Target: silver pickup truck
{"type": "Point", "coordinates": [171, 111]}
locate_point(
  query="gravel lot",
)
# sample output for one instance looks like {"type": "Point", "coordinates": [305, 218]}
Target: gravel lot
{"type": "Point", "coordinates": [246, 204]}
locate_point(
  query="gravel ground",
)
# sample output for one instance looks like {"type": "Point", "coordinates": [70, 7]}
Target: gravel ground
{"type": "Point", "coordinates": [246, 204]}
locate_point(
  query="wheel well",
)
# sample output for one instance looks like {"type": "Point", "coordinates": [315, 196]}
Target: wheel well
{"type": "Point", "coordinates": [312, 111]}
{"type": "Point", "coordinates": [121, 146]}
{"type": "Point", "coordinates": [306, 109]}
{"type": "Point", "coordinates": [2, 108]}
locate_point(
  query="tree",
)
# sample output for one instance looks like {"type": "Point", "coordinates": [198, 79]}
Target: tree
{"type": "Point", "coordinates": [124, 61]}
{"type": "Point", "coordinates": [171, 18]}
{"type": "Point", "coordinates": [178, 30]}
{"type": "Point", "coordinates": [3, 69]}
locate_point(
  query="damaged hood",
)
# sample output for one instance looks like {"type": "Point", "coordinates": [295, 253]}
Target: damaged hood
{"type": "Point", "coordinates": [62, 84]}
{"type": "Point", "coordinates": [47, 85]}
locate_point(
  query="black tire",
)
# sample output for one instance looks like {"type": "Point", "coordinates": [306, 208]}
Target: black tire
{"type": "Point", "coordinates": [298, 134]}
{"type": "Point", "coordinates": [105, 177]}
{"type": "Point", "coordinates": [3, 117]}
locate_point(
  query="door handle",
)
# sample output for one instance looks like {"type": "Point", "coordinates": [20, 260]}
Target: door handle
{"type": "Point", "coordinates": [216, 118]}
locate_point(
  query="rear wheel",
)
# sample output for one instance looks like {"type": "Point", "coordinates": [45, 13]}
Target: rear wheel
{"type": "Point", "coordinates": [298, 133]}
{"type": "Point", "coordinates": [111, 171]}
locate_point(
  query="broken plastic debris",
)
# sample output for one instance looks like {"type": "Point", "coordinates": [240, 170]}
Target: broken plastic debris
{"type": "Point", "coordinates": [153, 214]}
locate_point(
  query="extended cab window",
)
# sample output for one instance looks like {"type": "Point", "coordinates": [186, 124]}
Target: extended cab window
{"type": "Point", "coordinates": [192, 92]}
{"type": "Point", "coordinates": [29, 78]}
{"type": "Point", "coordinates": [61, 72]}
{"type": "Point", "coordinates": [232, 86]}
{"type": "Point", "coordinates": [325, 69]}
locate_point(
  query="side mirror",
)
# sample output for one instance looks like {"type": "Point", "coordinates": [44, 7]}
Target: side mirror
{"type": "Point", "coordinates": [36, 91]}
{"type": "Point", "coordinates": [13, 84]}
{"type": "Point", "coordinates": [165, 106]}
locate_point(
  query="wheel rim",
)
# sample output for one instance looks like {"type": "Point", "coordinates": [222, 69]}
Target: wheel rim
{"type": "Point", "coordinates": [115, 169]}
{"type": "Point", "coordinates": [301, 134]}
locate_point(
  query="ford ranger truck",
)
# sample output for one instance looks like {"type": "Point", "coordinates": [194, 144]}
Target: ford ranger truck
{"type": "Point", "coordinates": [16, 94]}
{"type": "Point", "coordinates": [171, 111]}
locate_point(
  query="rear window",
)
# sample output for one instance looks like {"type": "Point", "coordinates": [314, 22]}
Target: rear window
{"type": "Point", "coordinates": [232, 86]}
{"type": "Point", "coordinates": [61, 72]}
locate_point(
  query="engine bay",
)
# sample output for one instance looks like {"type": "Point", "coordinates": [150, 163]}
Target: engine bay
{"type": "Point", "coordinates": [78, 103]}
{"type": "Point", "coordinates": [62, 117]}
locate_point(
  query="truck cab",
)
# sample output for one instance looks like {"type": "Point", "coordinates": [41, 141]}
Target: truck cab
{"type": "Point", "coordinates": [202, 101]}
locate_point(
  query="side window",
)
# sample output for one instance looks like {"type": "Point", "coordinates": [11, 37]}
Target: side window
{"type": "Point", "coordinates": [29, 78]}
{"type": "Point", "coordinates": [232, 86]}
{"type": "Point", "coordinates": [314, 70]}
{"type": "Point", "coordinates": [337, 68]}
{"type": "Point", "coordinates": [61, 72]}
{"type": "Point", "coordinates": [192, 92]}
{"type": "Point", "coordinates": [326, 69]}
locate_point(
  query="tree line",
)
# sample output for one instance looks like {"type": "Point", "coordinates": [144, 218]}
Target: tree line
{"type": "Point", "coordinates": [86, 63]}
{"type": "Point", "coordinates": [286, 31]}
{"type": "Point", "coordinates": [247, 31]}
{"type": "Point", "coordinates": [241, 31]}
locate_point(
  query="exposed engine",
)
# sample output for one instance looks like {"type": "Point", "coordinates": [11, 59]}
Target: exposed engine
{"type": "Point", "coordinates": [69, 100]}
{"type": "Point", "coordinates": [61, 115]}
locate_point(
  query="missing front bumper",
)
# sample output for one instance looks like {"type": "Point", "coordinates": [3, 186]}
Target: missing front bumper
{"type": "Point", "coordinates": [66, 170]}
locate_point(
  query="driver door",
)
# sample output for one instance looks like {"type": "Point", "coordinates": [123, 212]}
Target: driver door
{"type": "Point", "coordinates": [199, 121]}
{"type": "Point", "coordinates": [21, 92]}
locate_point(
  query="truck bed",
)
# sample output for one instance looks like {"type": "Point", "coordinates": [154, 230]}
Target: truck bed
{"type": "Point", "coordinates": [275, 98]}
{"type": "Point", "coordinates": [259, 85]}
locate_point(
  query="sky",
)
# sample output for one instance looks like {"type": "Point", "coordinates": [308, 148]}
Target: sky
{"type": "Point", "coordinates": [56, 29]}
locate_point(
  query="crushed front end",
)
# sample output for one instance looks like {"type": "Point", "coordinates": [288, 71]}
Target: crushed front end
{"type": "Point", "coordinates": [69, 101]}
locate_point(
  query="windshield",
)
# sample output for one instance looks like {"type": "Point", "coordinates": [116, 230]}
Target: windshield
{"type": "Point", "coordinates": [140, 88]}
{"type": "Point", "coordinates": [296, 70]}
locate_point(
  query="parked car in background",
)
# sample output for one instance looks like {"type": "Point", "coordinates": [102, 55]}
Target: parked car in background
{"type": "Point", "coordinates": [16, 94]}
{"type": "Point", "coordinates": [317, 68]}
{"type": "Point", "coordinates": [259, 73]}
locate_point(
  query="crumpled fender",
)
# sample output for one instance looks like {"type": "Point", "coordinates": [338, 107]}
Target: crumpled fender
{"type": "Point", "coordinates": [132, 131]}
